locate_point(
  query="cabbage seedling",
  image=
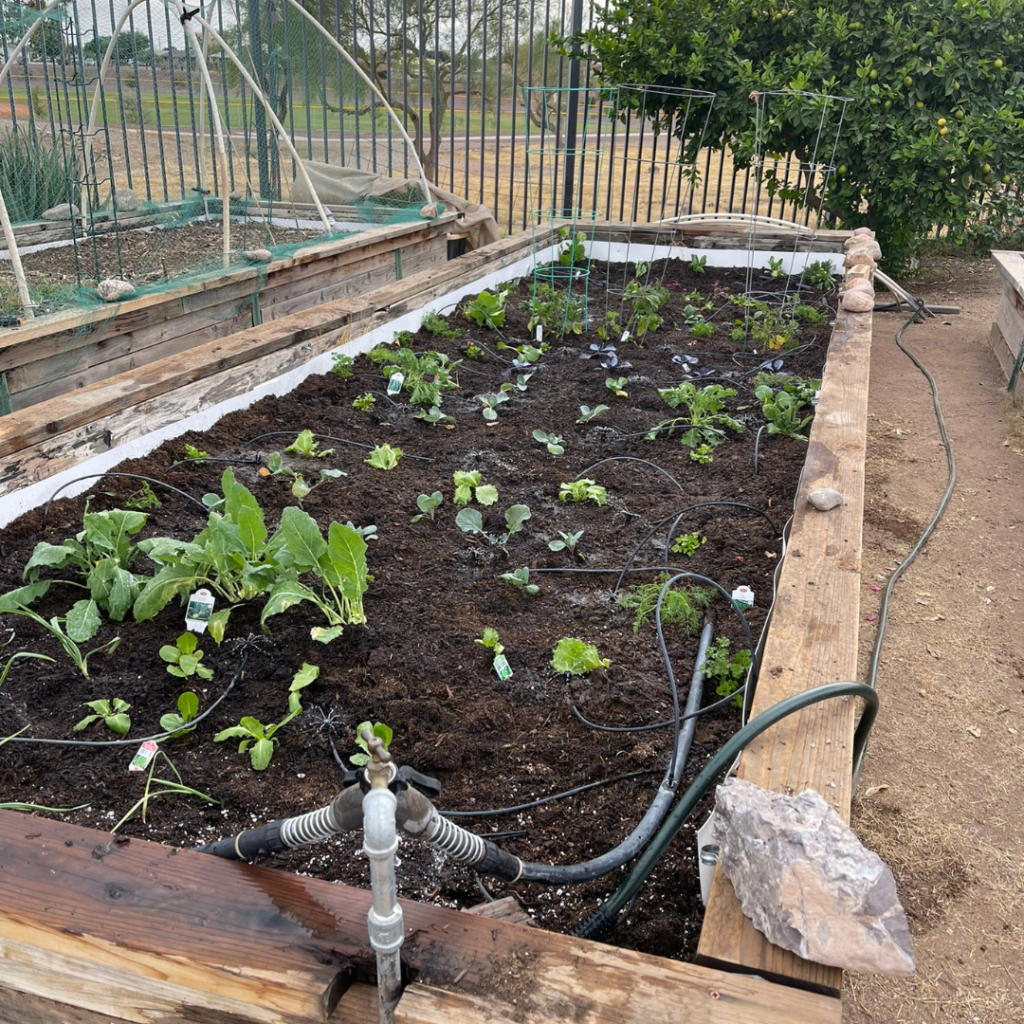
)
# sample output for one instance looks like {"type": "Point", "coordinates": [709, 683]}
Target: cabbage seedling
{"type": "Point", "coordinates": [428, 504]}
{"type": "Point", "coordinates": [552, 442]}
{"type": "Point", "coordinates": [520, 578]}
{"type": "Point", "coordinates": [112, 712]}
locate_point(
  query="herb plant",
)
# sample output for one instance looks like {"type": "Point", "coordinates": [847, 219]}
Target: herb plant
{"type": "Point", "coordinates": [468, 487]}
{"type": "Point", "coordinates": [192, 452]}
{"type": "Point", "coordinates": [364, 402]}
{"type": "Point", "coordinates": [552, 442]}
{"type": "Point", "coordinates": [575, 657]}
{"type": "Point", "coordinates": [113, 713]}
{"type": "Point", "coordinates": [681, 607]}
{"type": "Point", "coordinates": [688, 543]}
{"type": "Point", "coordinates": [17, 656]}
{"type": "Point", "coordinates": [144, 499]}
{"type": "Point", "coordinates": [521, 578]}
{"type": "Point", "coordinates": [435, 324]}
{"type": "Point", "coordinates": [428, 504]}
{"type": "Point", "coordinates": [342, 365]}
{"type": "Point", "coordinates": [428, 375]}
{"type": "Point", "coordinates": [583, 490]}
{"type": "Point", "coordinates": [183, 659]}
{"type": "Point", "coordinates": [819, 275]}
{"type": "Point", "coordinates": [161, 787]}
{"type": "Point", "coordinates": [729, 672]}
{"type": "Point", "coordinates": [383, 457]}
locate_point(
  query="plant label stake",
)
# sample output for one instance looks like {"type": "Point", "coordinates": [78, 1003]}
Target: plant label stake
{"type": "Point", "coordinates": [199, 610]}
{"type": "Point", "coordinates": [743, 597]}
{"type": "Point", "coordinates": [540, 333]}
{"type": "Point", "coordinates": [502, 667]}
{"type": "Point", "coordinates": [145, 754]}
{"type": "Point", "coordinates": [395, 382]}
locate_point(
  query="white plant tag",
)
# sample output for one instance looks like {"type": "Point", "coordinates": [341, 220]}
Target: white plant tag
{"type": "Point", "coordinates": [199, 610]}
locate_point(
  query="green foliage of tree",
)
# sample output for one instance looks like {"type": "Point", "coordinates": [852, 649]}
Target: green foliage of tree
{"type": "Point", "coordinates": [937, 90]}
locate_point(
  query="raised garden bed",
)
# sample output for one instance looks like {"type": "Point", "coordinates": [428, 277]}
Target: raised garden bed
{"type": "Point", "coordinates": [414, 664]}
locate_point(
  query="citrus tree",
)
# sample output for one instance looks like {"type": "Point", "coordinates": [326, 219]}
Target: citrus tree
{"type": "Point", "coordinates": [936, 120]}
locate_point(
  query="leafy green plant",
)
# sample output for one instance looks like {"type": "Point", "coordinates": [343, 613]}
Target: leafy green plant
{"type": "Point", "coordinates": [487, 310]}
{"type": "Point", "coordinates": [571, 655]}
{"type": "Point", "coordinates": [520, 578]}
{"type": "Point", "coordinates": [191, 452]}
{"type": "Point", "coordinates": [469, 520]}
{"type": "Point", "coordinates": [434, 416]}
{"type": "Point", "coordinates": [308, 447]}
{"type": "Point", "coordinates": [144, 499]}
{"type": "Point", "coordinates": [682, 606]}
{"type": "Point", "coordinates": [587, 414]}
{"type": "Point", "coordinates": [342, 365]}
{"type": "Point", "coordinates": [428, 504]}
{"type": "Point", "coordinates": [403, 339]}
{"type": "Point", "coordinates": [729, 672]}
{"type": "Point", "coordinates": [178, 723]}
{"type": "Point", "coordinates": [489, 404]}
{"type": "Point", "coordinates": [688, 543]}
{"type": "Point", "coordinates": [81, 623]}
{"type": "Point", "coordinates": [583, 490]}
{"type": "Point", "coordinates": [306, 676]}
{"type": "Point", "coordinates": [183, 659]}
{"type": "Point", "coordinates": [702, 454]}
{"type": "Point", "coordinates": [257, 738]}
{"type": "Point", "coordinates": [525, 355]}
{"type": "Point", "coordinates": [698, 264]}
{"type": "Point", "coordinates": [338, 563]}
{"type": "Point", "coordinates": [782, 411]}
{"type": "Point", "coordinates": [558, 312]}
{"type": "Point", "coordinates": [113, 714]}
{"type": "Point", "coordinates": [435, 324]}
{"type": "Point", "coordinates": [704, 413]}
{"type": "Point", "coordinates": [519, 384]}
{"type": "Point", "coordinates": [574, 248]}
{"type": "Point", "coordinates": [17, 656]}
{"type": "Point", "coordinates": [383, 457]}
{"type": "Point", "coordinates": [378, 729]}
{"type": "Point", "coordinates": [364, 402]}
{"type": "Point", "coordinates": [617, 385]}
{"type": "Point", "coordinates": [566, 542]}
{"type": "Point", "coordinates": [103, 554]}
{"type": "Point", "coordinates": [819, 275]}
{"type": "Point", "coordinates": [552, 442]}
{"type": "Point", "coordinates": [811, 315]}
{"type": "Point", "coordinates": [468, 486]}
{"type": "Point", "coordinates": [301, 487]}
{"type": "Point", "coordinates": [491, 641]}
{"type": "Point", "coordinates": [473, 351]}
{"type": "Point", "coordinates": [776, 267]}
{"type": "Point", "coordinates": [644, 301]}
{"type": "Point", "coordinates": [427, 375]}
{"type": "Point", "coordinates": [703, 330]}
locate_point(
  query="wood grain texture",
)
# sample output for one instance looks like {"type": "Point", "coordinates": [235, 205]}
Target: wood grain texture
{"type": "Point", "coordinates": [812, 640]}
{"type": "Point", "coordinates": [145, 933]}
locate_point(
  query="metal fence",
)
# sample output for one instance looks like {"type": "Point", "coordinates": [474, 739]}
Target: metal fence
{"type": "Point", "coordinates": [459, 73]}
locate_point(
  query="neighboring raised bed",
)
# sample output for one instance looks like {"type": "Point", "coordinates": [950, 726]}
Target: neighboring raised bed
{"type": "Point", "coordinates": [1007, 336]}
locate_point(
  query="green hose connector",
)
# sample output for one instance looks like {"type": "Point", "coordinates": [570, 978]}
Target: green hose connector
{"type": "Point", "coordinates": [605, 918]}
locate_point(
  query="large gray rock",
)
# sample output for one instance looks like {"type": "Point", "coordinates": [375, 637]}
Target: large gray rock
{"type": "Point", "coordinates": [114, 289]}
{"type": "Point", "coordinates": [125, 200]}
{"type": "Point", "coordinates": [63, 211]}
{"type": "Point", "coordinates": [857, 301]}
{"type": "Point", "coordinates": [806, 882]}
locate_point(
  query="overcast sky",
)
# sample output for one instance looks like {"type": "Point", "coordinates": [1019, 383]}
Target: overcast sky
{"type": "Point", "coordinates": [154, 25]}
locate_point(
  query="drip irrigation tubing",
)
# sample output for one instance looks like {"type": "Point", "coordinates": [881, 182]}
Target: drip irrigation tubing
{"type": "Point", "coordinates": [157, 737]}
{"type": "Point", "coordinates": [757, 445]}
{"type": "Point", "coordinates": [607, 916]}
{"type": "Point", "coordinates": [328, 437]}
{"type": "Point", "coordinates": [630, 458]}
{"type": "Point", "coordinates": [131, 476]}
{"type": "Point", "coordinates": [740, 691]}
{"type": "Point", "coordinates": [214, 458]}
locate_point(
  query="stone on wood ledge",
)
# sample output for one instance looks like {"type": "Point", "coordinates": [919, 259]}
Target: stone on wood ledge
{"type": "Point", "coordinates": [825, 498]}
{"type": "Point", "coordinates": [258, 255]}
{"type": "Point", "coordinates": [857, 300]}
{"type": "Point", "coordinates": [63, 211]}
{"type": "Point", "coordinates": [807, 883]}
{"type": "Point", "coordinates": [113, 289]}
{"type": "Point", "coordinates": [125, 200]}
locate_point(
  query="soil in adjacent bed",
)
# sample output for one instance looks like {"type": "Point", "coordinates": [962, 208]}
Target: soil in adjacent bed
{"type": "Point", "coordinates": [415, 664]}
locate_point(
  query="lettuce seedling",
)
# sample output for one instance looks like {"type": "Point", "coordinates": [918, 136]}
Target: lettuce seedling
{"type": "Point", "coordinates": [184, 658]}
{"type": "Point", "coordinates": [487, 310]}
{"type": "Point", "coordinates": [383, 457]}
{"type": "Point", "coordinates": [308, 447]}
{"type": "Point", "coordinates": [587, 414]}
{"type": "Point", "coordinates": [688, 543]}
{"type": "Point", "coordinates": [583, 490]}
{"type": "Point", "coordinates": [468, 487]}
{"type": "Point", "coordinates": [380, 730]}
{"type": "Point", "coordinates": [112, 712]}
{"type": "Point", "coordinates": [490, 641]}
{"type": "Point", "coordinates": [363, 402]}
{"type": "Point", "coordinates": [177, 724]}
{"type": "Point", "coordinates": [571, 655]}
{"type": "Point", "coordinates": [552, 442]}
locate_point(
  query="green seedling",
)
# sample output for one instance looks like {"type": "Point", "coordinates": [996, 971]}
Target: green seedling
{"type": "Point", "coordinates": [574, 657]}
{"type": "Point", "coordinates": [17, 656]}
{"type": "Point", "coordinates": [704, 418]}
{"type": "Point", "coordinates": [301, 487]}
{"type": "Point", "coordinates": [567, 542]}
{"type": "Point", "coordinates": [688, 543]}
{"type": "Point", "coordinates": [342, 365]}
{"type": "Point", "coordinates": [364, 402]}
{"type": "Point", "coordinates": [192, 452]}
{"type": "Point", "coordinates": [428, 504]}
{"type": "Point", "coordinates": [473, 351]}
{"type": "Point", "coordinates": [184, 658]}
{"type": "Point", "coordinates": [427, 374]}
{"type": "Point", "coordinates": [380, 730]}
{"type": "Point", "coordinates": [819, 275]}
{"type": "Point", "coordinates": [177, 723]}
{"type": "Point", "coordinates": [257, 738]}
{"type": "Point", "coordinates": [161, 787]}
{"type": "Point", "coordinates": [682, 608]}
{"type": "Point", "coordinates": [403, 339]}
{"type": "Point", "coordinates": [308, 447]}
{"type": "Point", "coordinates": [520, 578]}
{"type": "Point", "coordinates": [487, 310]}
{"type": "Point", "coordinates": [383, 457]}
{"type": "Point", "coordinates": [519, 384]}
{"type": "Point", "coordinates": [703, 330]}
{"type": "Point", "coordinates": [469, 520]}
{"type": "Point", "coordinates": [525, 355]}
{"type": "Point", "coordinates": [644, 301]}
{"type": "Point", "coordinates": [490, 641]}
{"type": "Point", "coordinates": [776, 267]}
{"type": "Point", "coordinates": [557, 312]}
{"type": "Point", "coordinates": [218, 624]}
{"type": "Point", "coordinates": [702, 454]}
{"type": "Point", "coordinates": [80, 624]}
{"type": "Point", "coordinates": [617, 385]}
{"type": "Point", "coordinates": [552, 442]}
{"type": "Point", "coordinates": [574, 250]}
{"type": "Point", "coordinates": [468, 487]}
{"type": "Point", "coordinates": [435, 324]}
{"type": "Point", "coordinates": [113, 714]}
{"type": "Point", "coordinates": [729, 672]}
{"type": "Point", "coordinates": [583, 490]}
{"type": "Point", "coordinates": [144, 499]}
{"type": "Point", "coordinates": [435, 417]}
{"type": "Point", "coordinates": [698, 264]}
{"type": "Point", "coordinates": [306, 676]}
{"type": "Point", "coordinates": [782, 411]}
{"type": "Point", "coordinates": [811, 315]}
{"type": "Point", "coordinates": [489, 404]}
{"type": "Point", "coordinates": [587, 414]}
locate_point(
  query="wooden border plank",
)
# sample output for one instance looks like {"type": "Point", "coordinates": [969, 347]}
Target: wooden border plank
{"type": "Point", "coordinates": [812, 640]}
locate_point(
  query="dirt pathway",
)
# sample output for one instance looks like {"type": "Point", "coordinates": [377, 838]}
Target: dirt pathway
{"type": "Point", "coordinates": [940, 797]}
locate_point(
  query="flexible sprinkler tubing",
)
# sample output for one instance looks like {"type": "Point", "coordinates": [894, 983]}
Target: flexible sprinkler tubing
{"type": "Point", "coordinates": [606, 916]}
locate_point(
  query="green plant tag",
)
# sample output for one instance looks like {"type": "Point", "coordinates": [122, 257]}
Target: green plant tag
{"type": "Point", "coordinates": [395, 382]}
{"type": "Point", "coordinates": [502, 667]}
{"type": "Point", "coordinates": [145, 754]}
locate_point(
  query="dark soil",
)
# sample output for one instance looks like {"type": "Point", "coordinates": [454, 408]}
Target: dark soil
{"type": "Point", "coordinates": [415, 664]}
